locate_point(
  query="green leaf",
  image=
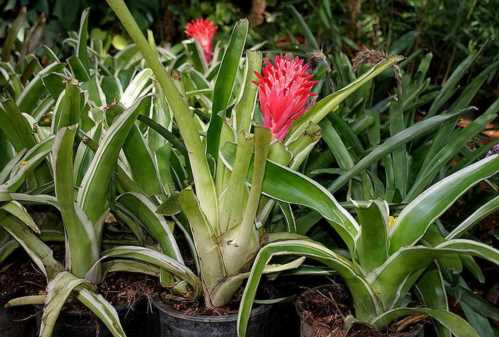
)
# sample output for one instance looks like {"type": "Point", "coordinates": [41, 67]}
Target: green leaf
{"type": "Point", "coordinates": [244, 109]}
{"type": "Point", "coordinates": [144, 210]}
{"type": "Point", "coordinates": [84, 154]}
{"type": "Point", "coordinates": [450, 85]}
{"type": "Point", "coordinates": [81, 50]}
{"type": "Point", "coordinates": [394, 274]}
{"type": "Point", "coordinates": [67, 108]}
{"type": "Point", "coordinates": [416, 217]}
{"type": "Point", "coordinates": [137, 87]}
{"type": "Point", "coordinates": [93, 194]}
{"type": "Point", "coordinates": [58, 291]}
{"type": "Point", "coordinates": [38, 251]}
{"type": "Point", "coordinates": [372, 241]}
{"type": "Point", "coordinates": [432, 290]}
{"type": "Point", "coordinates": [128, 266]}
{"type": "Point", "coordinates": [168, 135]}
{"type": "Point", "coordinates": [365, 301]}
{"type": "Point", "coordinates": [289, 217]}
{"type": "Point", "coordinates": [15, 126]}
{"type": "Point", "coordinates": [157, 259]}
{"type": "Point", "coordinates": [224, 85]}
{"type": "Point", "coordinates": [234, 197]}
{"type": "Point", "coordinates": [101, 309]}
{"type": "Point", "coordinates": [38, 199]}
{"type": "Point", "coordinates": [7, 248]}
{"type": "Point", "coordinates": [16, 209]}
{"type": "Point", "coordinates": [141, 161]}
{"type": "Point", "coordinates": [485, 210]}
{"type": "Point", "coordinates": [306, 30]}
{"type": "Point", "coordinates": [29, 97]}
{"type": "Point", "coordinates": [458, 326]}
{"type": "Point", "coordinates": [474, 248]}
{"type": "Point", "coordinates": [196, 55]}
{"type": "Point", "coordinates": [81, 238]}
{"type": "Point", "coordinates": [10, 40]}
{"type": "Point", "coordinates": [28, 165]}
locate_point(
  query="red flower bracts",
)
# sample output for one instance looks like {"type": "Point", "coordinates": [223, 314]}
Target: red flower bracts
{"type": "Point", "coordinates": [284, 89]}
{"type": "Point", "coordinates": [203, 31]}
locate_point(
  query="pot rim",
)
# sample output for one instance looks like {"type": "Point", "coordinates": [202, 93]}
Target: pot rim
{"type": "Point", "coordinates": [168, 310]}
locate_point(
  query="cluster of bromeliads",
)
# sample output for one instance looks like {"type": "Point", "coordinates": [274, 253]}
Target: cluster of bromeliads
{"type": "Point", "coordinates": [200, 148]}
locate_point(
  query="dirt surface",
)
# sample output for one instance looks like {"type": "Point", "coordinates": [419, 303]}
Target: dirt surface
{"type": "Point", "coordinates": [325, 309]}
{"type": "Point", "coordinates": [20, 277]}
{"type": "Point", "coordinates": [128, 288]}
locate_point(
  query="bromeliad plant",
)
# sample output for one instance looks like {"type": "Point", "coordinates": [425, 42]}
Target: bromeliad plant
{"type": "Point", "coordinates": [386, 260]}
{"type": "Point", "coordinates": [225, 152]}
{"type": "Point", "coordinates": [42, 123]}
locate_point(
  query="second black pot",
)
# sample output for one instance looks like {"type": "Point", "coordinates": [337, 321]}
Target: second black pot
{"type": "Point", "coordinates": [176, 324]}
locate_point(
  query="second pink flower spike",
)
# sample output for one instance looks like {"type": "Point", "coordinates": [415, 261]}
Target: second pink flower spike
{"type": "Point", "coordinates": [203, 31]}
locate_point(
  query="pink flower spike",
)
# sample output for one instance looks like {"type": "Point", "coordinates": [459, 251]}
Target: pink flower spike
{"type": "Point", "coordinates": [203, 31]}
{"type": "Point", "coordinates": [284, 89]}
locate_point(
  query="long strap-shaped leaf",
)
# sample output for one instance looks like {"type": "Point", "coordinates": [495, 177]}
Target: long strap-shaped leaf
{"type": "Point", "coordinates": [39, 252]}
{"type": "Point", "coordinates": [488, 208]}
{"type": "Point", "coordinates": [224, 85]}
{"type": "Point", "coordinates": [431, 288]}
{"type": "Point", "coordinates": [372, 241]}
{"type": "Point", "coordinates": [205, 186]}
{"type": "Point", "coordinates": [144, 210]}
{"type": "Point", "coordinates": [81, 239]}
{"type": "Point", "coordinates": [365, 301]}
{"type": "Point", "coordinates": [474, 248]}
{"type": "Point", "coordinates": [129, 266]}
{"type": "Point", "coordinates": [416, 217]}
{"type": "Point", "coordinates": [157, 259]}
{"type": "Point", "coordinates": [286, 185]}
{"type": "Point", "coordinates": [34, 90]}
{"type": "Point", "coordinates": [16, 209]}
{"type": "Point", "coordinates": [136, 88]}
{"type": "Point", "coordinates": [394, 274]}
{"type": "Point", "coordinates": [15, 126]}
{"type": "Point", "coordinates": [244, 109]}
{"type": "Point", "coordinates": [58, 291]}
{"type": "Point", "coordinates": [102, 309]}
{"type": "Point", "coordinates": [39, 199]}
{"type": "Point", "coordinates": [92, 196]}
{"type": "Point", "coordinates": [458, 326]}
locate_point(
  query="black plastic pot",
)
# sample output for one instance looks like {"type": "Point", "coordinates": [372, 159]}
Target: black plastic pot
{"type": "Point", "coordinates": [176, 324]}
{"type": "Point", "coordinates": [75, 323]}
{"type": "Point", "coordinates": [17, 321]}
